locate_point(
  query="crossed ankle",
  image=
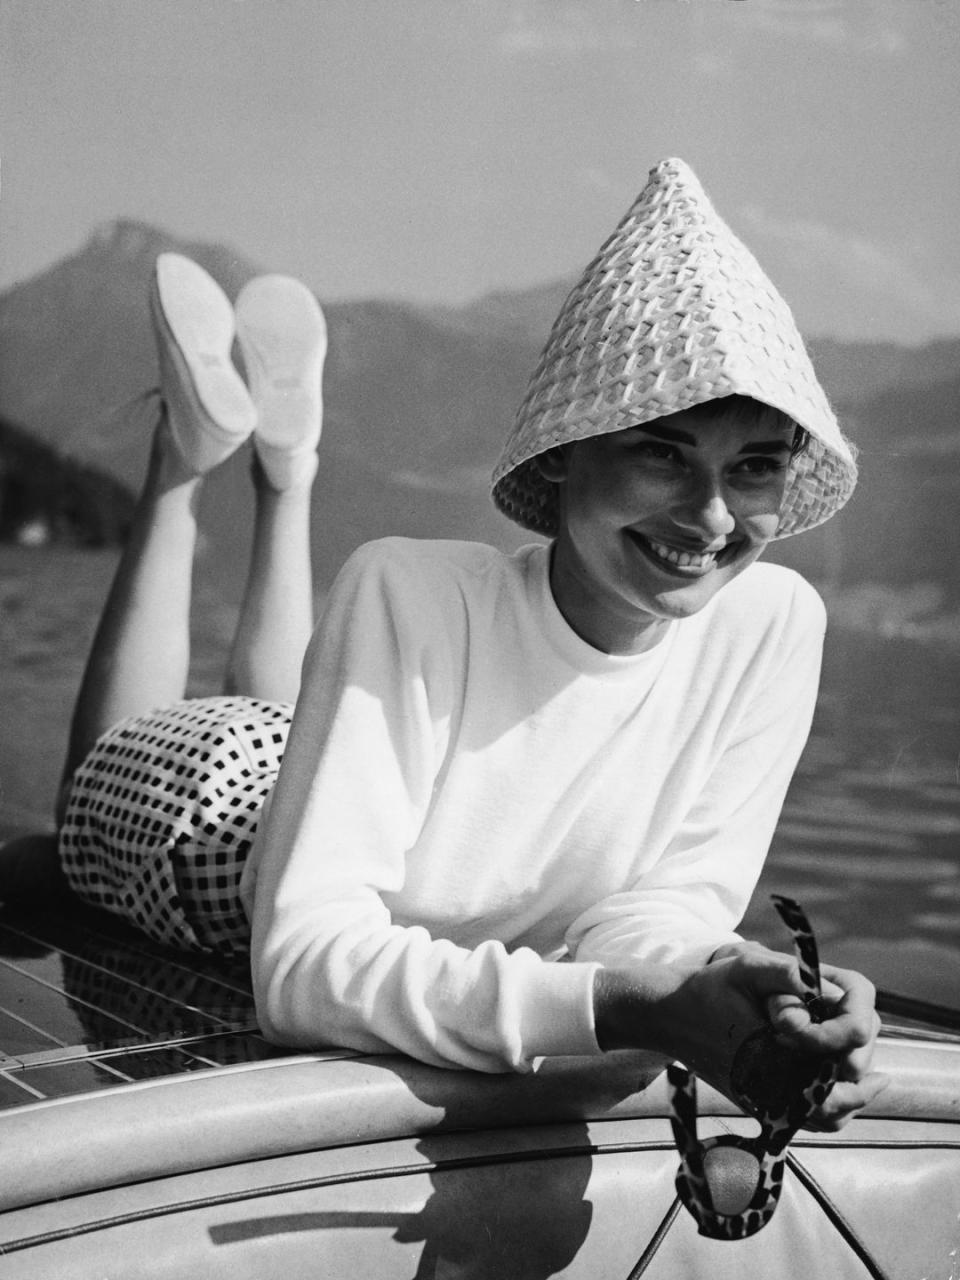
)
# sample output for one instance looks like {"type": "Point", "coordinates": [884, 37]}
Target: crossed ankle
{"type": "Point", "coordinates": [168, 469]}
{"type": "Point", "coordinates": [290, 474]}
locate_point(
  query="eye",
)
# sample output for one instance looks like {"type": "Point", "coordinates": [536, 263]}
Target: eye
{"type": "Point", "coordinates": [657, 453]}
{"type": "Point", "coordinates": [761, 466]}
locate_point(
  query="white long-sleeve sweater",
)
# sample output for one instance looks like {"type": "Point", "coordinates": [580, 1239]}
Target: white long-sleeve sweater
{"type": "Point", "coordinates": [470, 791]}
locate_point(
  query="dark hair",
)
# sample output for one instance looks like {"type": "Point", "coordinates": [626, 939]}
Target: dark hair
{"type": "Point", "coordinates": [751, 412]}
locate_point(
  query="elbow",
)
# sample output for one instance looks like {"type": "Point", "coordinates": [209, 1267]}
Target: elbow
{"type": "Point", "coordinates": [274, 1017]}
{"type": "Point", "coordinates": [295, 1004]}
{"type": "Point", "coordinates": [277, 1005]}
{"type": "Point", "coordinates": [273, 1032]}
{"type": "Point", "coordinates": [284, 1022]}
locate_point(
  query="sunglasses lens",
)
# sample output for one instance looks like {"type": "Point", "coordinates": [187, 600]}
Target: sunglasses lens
{"type": "Point", "coordinates": [768, 1076]}
{"type": "Point", "coordinates": [732, 1177]}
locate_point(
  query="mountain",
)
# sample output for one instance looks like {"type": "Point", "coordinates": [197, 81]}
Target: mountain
{"type": "Point", "coordinates": [75, 341]}
{"type": "Point", "coordinates": [418, 402]}
{"type": "Point", "coordinates": [416, 406]}
{"type": "Point", "coordinates": [45, 497]}
{"type": "Point", "coordinates": [853, 372]}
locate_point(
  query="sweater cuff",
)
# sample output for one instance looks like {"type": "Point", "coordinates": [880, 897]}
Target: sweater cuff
{"type": "Point", "coordinates": [556, 1010]}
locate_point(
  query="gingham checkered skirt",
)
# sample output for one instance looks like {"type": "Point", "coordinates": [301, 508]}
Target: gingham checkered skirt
{"type": "Point", "coordinates": [162, 814]}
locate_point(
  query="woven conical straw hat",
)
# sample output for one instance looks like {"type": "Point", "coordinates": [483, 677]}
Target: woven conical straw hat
{"type": "Point", "coordinates": [673, 311]}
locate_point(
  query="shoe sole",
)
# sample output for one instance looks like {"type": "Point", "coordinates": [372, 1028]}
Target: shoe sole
{"type": "Point", "coordinates": [283, 338]}
{"type": "Point", "coordinates": [195, 328]}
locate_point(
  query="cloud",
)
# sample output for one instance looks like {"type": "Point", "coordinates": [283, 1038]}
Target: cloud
{"type": "Point", "coordinates": [889, 271]}
{"type": "Point", "coordinates": [594, 178]}
{"type": "Point", "coordinates": [709, 62]}
{"type": "Point", "coordinates": [565, 27]}
{"type": "Point", "coordinates": [536, 27]}
{"type": "Point", "coordinates": [874, 27]}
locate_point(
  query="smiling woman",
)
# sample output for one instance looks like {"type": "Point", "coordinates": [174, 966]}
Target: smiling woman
{"type": "Point", "coordinates": [505, 708]}
{"type": "Point", "coordinates": [495, 763]}
{"type": "Point", "coordinates": [656, 519]}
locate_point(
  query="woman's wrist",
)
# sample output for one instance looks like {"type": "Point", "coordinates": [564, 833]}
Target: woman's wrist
{"type": "Point", "coordinates": [635, 1008]}
{"type": "Point", "coordinates": [699, 1016]}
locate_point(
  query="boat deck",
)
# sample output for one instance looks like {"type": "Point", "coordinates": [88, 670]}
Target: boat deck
{"type": "Point", "coordinates": [86, 1003]}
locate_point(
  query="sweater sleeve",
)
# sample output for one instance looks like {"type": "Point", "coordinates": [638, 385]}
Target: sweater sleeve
{"type": "Point", "coordinates": [690, 902]}
{"type": "Point", "coordinates": [368, 737]}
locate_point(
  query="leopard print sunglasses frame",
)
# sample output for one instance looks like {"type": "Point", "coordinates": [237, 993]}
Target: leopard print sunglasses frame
{"type": "Point", "coordinates": [731, 1184]}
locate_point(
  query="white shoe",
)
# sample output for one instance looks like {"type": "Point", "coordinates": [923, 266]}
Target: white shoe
{"type": "Point", "coordinates": [209, 410]}
{"type": "Point", "coordinates": [283, 337]}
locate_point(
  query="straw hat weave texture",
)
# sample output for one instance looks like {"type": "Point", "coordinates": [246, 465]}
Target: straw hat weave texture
{"type": "Point", "coordinates": [673, 311]}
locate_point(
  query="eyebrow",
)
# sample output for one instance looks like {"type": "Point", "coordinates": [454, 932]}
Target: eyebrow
{"type": "Point", "coordinates": [673, 436]}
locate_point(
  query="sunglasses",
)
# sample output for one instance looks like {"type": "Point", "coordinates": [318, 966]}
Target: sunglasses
{"type": "Point", "coordinates": [731, 1185]}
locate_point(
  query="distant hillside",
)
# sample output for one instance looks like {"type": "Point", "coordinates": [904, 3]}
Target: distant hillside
{"type": "Point", "coordinates": [419, 400]}
{"type": "Point", "coordinates": [75, 341]}
{"type": "Point", "coordinates": [416, 406]}
{"type": "Point", "coordinates": [45, 497]}
{"type": "Point", "coordinates": [856, 372]}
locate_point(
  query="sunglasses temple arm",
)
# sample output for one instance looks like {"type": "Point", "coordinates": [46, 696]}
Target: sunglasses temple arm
{"type": "Point", "coordinates": [683, 1107]}
{"type": "Point", "coordinates": [795, 918]}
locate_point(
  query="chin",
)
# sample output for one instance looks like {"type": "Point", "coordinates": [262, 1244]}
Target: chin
{"type": "Point", "coordinates": [685, 599]}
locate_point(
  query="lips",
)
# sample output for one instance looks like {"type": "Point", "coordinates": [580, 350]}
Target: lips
{"type": "Point", "coordinates": [681, 560]}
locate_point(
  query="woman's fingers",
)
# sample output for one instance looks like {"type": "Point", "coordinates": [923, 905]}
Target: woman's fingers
{"type": "Point", "coordinates": [732, 996]}
{"type": "Point", "coordinates": [851, 1024]}
{"type": "Point", "coordinates": [857, 1063]}
{"type": "Point", "coordinates": [846, 1098]}
{"type": "Point", "coordinates": [788, 1014]}
{"type": "Point", "coordinates": [849, 1029]}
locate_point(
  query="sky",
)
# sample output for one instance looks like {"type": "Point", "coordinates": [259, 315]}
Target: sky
{"type": "Point", "coordinates": [439, 150]}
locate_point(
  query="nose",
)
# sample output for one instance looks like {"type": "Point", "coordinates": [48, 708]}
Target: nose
{"type": "Point", "coordinates": [706, 513]}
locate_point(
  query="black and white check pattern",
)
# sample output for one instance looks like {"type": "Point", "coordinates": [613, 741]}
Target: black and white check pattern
{"type": "Point", "coordinates": [162, 814]}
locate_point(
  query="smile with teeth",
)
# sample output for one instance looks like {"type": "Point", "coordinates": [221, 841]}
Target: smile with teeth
{"type": "Point", "coordinates": [679, 559]}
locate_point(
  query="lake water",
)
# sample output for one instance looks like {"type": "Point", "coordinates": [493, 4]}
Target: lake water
{"type": "Point", "coordinates": [869, 841]}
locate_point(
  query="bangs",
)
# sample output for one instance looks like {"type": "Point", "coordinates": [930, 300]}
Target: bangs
{"type": "Point", "coordinates": [752, 413]}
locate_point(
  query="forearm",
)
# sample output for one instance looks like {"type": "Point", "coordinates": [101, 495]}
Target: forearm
{"type": "Point", "coordinates": [630, 1006]}
{"type": "Point", "coordinates": [670, 1010]}
{"type": "Point", "coordinates": [699, 1016]}
{"type": "Point", "coordinates": [344, 974]}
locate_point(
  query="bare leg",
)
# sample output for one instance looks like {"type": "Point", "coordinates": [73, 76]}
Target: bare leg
{"type": "Point", "coordinates": [276, 616]}
{"type": "Point", "coordinates": [140, 655]}
{"type": "Point", "coordinates": [141, 650]}
{"type": "Point", "coordinates": [283, 337]}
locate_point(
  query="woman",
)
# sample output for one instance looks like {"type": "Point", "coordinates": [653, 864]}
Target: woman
{"type": "Point", "coordinates": [577, 753]}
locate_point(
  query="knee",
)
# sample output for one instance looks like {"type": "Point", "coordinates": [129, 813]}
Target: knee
{"type": "Point", "coordinates": [63, 797]}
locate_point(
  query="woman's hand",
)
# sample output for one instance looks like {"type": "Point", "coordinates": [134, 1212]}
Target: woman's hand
{"type": "Point", "coordinates": [701, 1017]}
{"type": "Point", "coordinates": [849, 1028]}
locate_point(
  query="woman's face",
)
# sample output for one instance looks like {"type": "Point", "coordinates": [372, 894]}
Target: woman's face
{"type": "Point", "coordinates": [655, 519]}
